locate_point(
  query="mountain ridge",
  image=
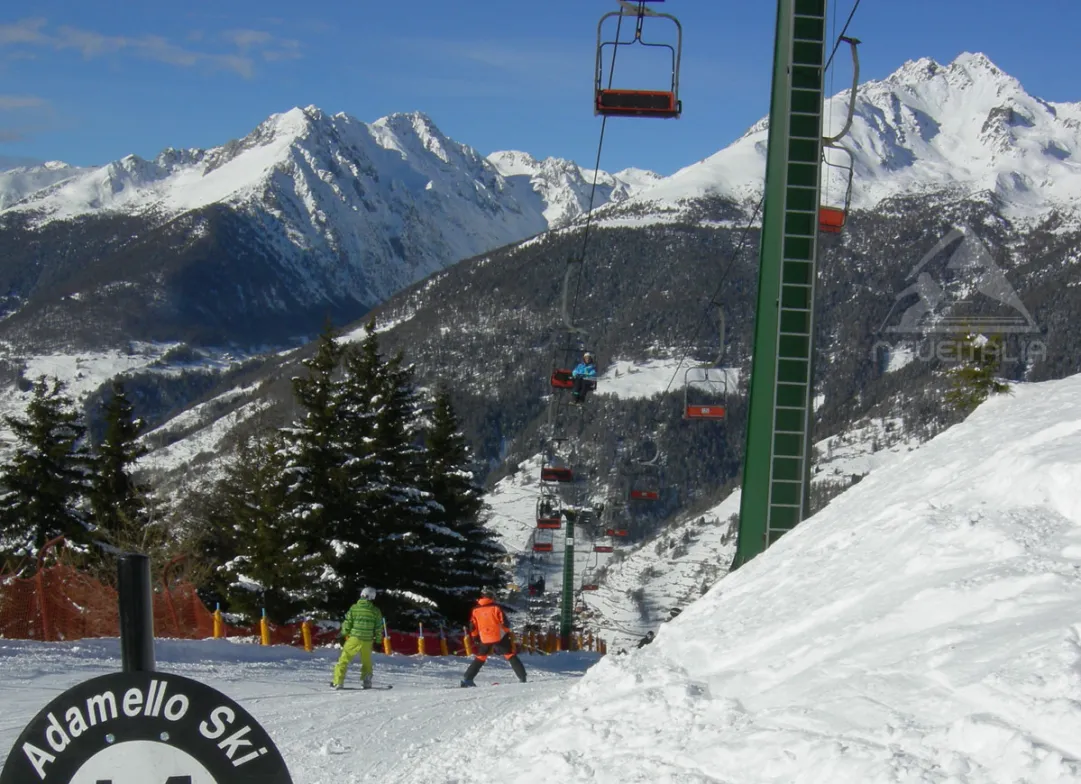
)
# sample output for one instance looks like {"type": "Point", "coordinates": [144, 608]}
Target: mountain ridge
{"type": "Point", "coordinates": [963, 128]}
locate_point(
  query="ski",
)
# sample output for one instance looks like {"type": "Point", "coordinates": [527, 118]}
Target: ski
{"type": "Point", "coordinates": [361, 688]}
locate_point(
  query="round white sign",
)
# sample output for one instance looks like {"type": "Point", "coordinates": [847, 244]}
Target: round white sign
{"type": "Point", "coordinates": [142, 762]}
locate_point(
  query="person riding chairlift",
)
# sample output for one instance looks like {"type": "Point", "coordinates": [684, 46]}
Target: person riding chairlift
{"type": "Point", "coordinates": [585, 378]}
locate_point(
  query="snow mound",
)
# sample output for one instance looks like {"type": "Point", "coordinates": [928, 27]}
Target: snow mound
{"type": "Point", "coordinates": [924, 627]}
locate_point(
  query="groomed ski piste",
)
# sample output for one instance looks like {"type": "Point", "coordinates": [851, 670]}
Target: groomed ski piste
{"type": "Point", "coordinates": [924, 627]}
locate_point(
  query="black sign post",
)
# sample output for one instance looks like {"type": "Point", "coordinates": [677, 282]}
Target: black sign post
{"type": "Point", "coordinates": [140, 726]}
{"type": "Point", "coordinates": [136, 613]}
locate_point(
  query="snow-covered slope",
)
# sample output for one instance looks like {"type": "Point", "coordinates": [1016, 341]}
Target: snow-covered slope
{"type": "Point", "coordinates": [960, 129]}
{"type": "Point", "coordinates": [561, 188]}
{"type": "Point", "coordinates": [19, 181]}
{"type": "Point", "coordinates": [924, 627]}
{"type": "Point", "coordinates": [325, 737]}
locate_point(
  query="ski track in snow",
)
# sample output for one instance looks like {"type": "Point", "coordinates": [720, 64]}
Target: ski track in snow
{"type": "Point", "coordinates": [326, 737]}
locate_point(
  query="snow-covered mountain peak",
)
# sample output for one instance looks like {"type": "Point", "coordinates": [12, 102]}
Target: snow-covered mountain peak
{"type": "Point", "coordinates": [19, 178]}
{"type": "Point", "coordinates": [565, 186]}
{"type": "Point", "coordinates": [396, 131]}
{"type": "Point", "coordinates": [966, 128]}
{"type": "Point", "coordinates": [514, 162]}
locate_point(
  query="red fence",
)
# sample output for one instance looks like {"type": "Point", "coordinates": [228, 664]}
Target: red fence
{"type": "Point", "coordinates": [62, 603]}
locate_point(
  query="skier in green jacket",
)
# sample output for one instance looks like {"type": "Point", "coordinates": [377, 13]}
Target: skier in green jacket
{"type": "Point", "coordinates": [362, 627]}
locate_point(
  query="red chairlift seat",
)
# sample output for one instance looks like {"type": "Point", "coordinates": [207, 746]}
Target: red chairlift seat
{"type": "Point", "coordinates": [590, 587]}
{"type": "Point", "coordinates": [645, 495]}
{"type": "Point", "coordinates": [704, 412]}
{"type": "Point", "coordinates": [615, 532]}
{"type": "Point", "coordinates": [542, 547]}
{"type": "Point", "coordinates": [831, 220]}
{"type": "Point", "coordinates": [603, 548]}
{"type": "Point", "coordinates": [549, 524]}
{"type": "Point", "coordinates": [556, 474]}
{"type": "Point", "coordinates": [562, 378]}
{"type": "Point", "coordinates": [637, 103]}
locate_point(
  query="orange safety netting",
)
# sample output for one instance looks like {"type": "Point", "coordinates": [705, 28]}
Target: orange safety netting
{"type": "Point", "coordinates": [61, 603]}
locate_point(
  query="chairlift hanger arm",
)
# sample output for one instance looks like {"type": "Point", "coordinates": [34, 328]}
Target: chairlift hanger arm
{"type": "Point", "coordinates": [721, 324]}
{"type": "Point", "coordinates": [565, 312]}
{"type": "Point", "coordinates": [853, 43]}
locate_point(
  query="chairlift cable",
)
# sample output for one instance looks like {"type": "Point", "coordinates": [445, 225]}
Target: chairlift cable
{"type": "Point", "coordinates": [840, 39]}
{"type": "Point", "coordinates": [588, 223]}
{"type": "Point", "coordinates": [720, 283]}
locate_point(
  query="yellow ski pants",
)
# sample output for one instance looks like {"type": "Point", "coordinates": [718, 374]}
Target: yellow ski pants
{"type": "Point", "coordinates": [353, 646]}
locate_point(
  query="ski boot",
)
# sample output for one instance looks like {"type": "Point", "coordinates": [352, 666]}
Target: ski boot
{"type": "Point", "coordinates": [366, 683]}
{"type": "Point", "coordinates": [465, 684]}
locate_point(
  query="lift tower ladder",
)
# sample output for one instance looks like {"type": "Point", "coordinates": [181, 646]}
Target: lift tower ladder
{"type": "Point", "coordinates": [566, 610]}
{"type": "Point", "coordinates": [776, 474]}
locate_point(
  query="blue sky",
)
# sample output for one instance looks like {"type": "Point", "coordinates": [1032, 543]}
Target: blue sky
{"type": "Point", "coordinates": [89, 82]}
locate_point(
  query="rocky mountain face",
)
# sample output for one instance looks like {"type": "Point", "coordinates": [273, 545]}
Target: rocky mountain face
{"type": "Point", "coordinates": [21, 177]}
{"type": "Point", "coordinates": [256, 242]}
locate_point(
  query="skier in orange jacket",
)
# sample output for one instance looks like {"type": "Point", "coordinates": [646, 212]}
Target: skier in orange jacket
{"type": "Point", "coordinates": [490, 634]}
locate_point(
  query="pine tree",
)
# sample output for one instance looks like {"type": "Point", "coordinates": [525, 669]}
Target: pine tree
{"type": "Point", "coordinates": [120, 506]}
{"type": "Point", "coordinates": [468, 550]}
{"type": "Point", "coordinates": [265, 555]}
{"type": "Point", "coordinates": [315, 483]}
{"type": "Point", "coordinates": [382, 538]}
{"type": "Point", "coordinates": [45, 481]}
{"type": "Point", "coordinates": [407, 506]}
{"type": "Point", "coordinates": [365, 548]}
{"type": "Point", "coordinates": [975, 379]}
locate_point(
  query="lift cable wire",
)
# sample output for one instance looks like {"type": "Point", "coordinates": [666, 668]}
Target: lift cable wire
{"type": "Point", "coordinates": [840, 39]}
{"type": "Point", "coordinates": [713, 301]}
{"type": "Point", "coordinates": [568, 315]}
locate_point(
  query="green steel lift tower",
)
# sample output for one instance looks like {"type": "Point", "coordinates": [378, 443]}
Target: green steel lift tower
{"type": "Point", "coordinates": [776, 472]}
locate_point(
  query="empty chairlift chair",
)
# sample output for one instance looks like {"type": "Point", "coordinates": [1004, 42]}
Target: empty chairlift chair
{"type": "Point", "coordinates": [645, 484]}
{"type": "Point", "coordinates": [542, 541]}
{"type": "Point", "coordinates": [838, 163]}
{"type": "Point", "coordinates": [705, 392]}
{"type": "Point", "coordinates": [621, 102]}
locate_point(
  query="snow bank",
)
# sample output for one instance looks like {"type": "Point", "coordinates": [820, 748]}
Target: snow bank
{"type": "Point", "coordinates": [925, 627]}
